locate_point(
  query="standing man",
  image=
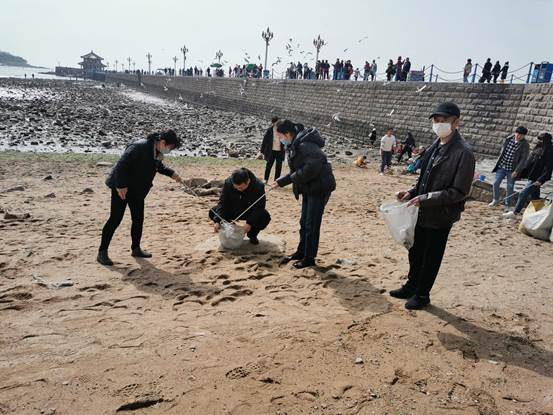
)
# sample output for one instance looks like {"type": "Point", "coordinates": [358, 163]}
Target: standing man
{"type": "Point", "coordinates": [467, 70]}
{"type": "Point", "coordinates": [399, 68]}
{"type": "Point", "coordinates": [510, 163]}
{"type": "Point", "coordinates": [443, 185]}
{"type": "Point", "coordinates": [406, 69]}
{"type": "Point", "coordinates": [504, 72]}
{"type": "Point", "coordinates": [486, 72]}
{"type": "Point", "coordinates": [496, 71]}
{"type": "Point", "coordinates": [387, 146]}
{"type": "Point", "coordinates": [374, 68]}
{"type": "Point", "coordinates": [130, 182]}
{"type": "Point", "coordinates": [272, 150]}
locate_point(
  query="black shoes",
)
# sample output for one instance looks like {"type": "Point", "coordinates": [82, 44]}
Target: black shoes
{"type": "Point", "coordinates": [254, 240]}
{"type": "Point", "coordinates": [294, 257]}
{"type": "Point", "coordinates": [139, 253]}
{"type": "Point", "coordinates": [405, 292]}
{"type": "Point", "coordinates": [304, 263]}
{"type": "Point", "coordinates": [103, 258]}
{"type": "Point", "coordinates": [417, 302]}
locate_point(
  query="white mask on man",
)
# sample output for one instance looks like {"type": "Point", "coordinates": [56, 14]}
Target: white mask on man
{"type": "Point", "coordinates": [442, 129]}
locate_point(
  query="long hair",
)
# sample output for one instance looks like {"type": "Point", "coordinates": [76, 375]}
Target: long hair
{"type": "Point", "coordinates": [287, 126]}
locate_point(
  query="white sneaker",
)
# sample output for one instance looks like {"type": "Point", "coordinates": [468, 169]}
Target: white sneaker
{"type": "Point", "coordinates": [493, 203]}
{"type": "Point", "coordinates": [382, 174]}
{"type": "Point", "coordinates": [510, 215]}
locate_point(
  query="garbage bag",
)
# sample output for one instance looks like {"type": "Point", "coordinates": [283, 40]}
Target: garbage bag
{"type": "Point", "coordinates": [401, 221]}
{"type": "Point", "coordinates": [537, 220]}
{"type": "Point", "coordinates": [231, 235]}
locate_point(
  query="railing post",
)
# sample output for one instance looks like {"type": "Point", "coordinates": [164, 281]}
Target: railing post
{"type": "Point", "coordinates": [512, 76]}
{"type": "Point", "coordinates": [529, 73]}
{"type": "Point", "coordinates": [436, 77]}
{"type": "Point", "coordinates": [431, 71]}
{"type": "Point", "coordinates": [474, 74]}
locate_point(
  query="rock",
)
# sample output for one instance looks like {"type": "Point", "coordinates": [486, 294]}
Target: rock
{"type": "Point", "coordinates": [349, 153]}
{"type": "Point", "coordinates": [233, 154]}
{"type": "Point", "coordinates": [50, 196]}
{"type": "Point", "coordinates": [102, 133]}
{"type": "Point", "coordinates": [49, 177]}
{"type": "Point", "coordinates": [104, 164]}
{"type": "Point", "coordinates": [107, 144]}
{"type": "Point", "coordinates": [15, 189]}
{"type": "Point", "coordinates": [359, 361]}
{"type": "Point", "coordinates": [346, 262]}
{"type": "Point", "coordinates": [87, 190]}
{"type": "Point", "coordinates": [15, 216]}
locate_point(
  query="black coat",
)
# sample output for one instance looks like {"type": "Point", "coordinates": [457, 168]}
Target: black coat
{"type": "Point", "coordinates": [310, 172]}
{"type": "Point", "coordinates": [233, 202]}
{"type": "Point", "coordinates": [137, 168]}
{"type": "Point", "coordinates": [448, 185]}
{"type": "Point", "coordinates": [539, 168]}
{"type": "Point", "coordinates": [267, 145]}
{"type": "Point", "coordinates": [487, 68]}
{"type": "Point", "coordinates": [409, 141]}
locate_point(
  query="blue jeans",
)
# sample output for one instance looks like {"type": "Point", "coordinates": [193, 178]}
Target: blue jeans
{"type": "Point", "coordinates": [312, 209]}
{"type": "Point", "coordinates": [386, 160]}
{"type": "Point", "coordinates": [529, 192]}
{"type": "Point", "coordinates": [500, 174]}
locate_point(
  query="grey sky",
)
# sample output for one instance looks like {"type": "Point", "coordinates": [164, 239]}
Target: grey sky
{"type": "Point", "coordinates": [428, 31]}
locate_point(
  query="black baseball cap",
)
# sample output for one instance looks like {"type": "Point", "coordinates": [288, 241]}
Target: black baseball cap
{"type": "Point", "coordinates": [447, 109]}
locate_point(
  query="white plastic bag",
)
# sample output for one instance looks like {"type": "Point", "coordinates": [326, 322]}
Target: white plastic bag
{"type": "Point", "coordinates": [401, 221]}
{"type": "Point", "coordinates": [231, 235]}
{"type": "Point", "coordinates": [538, 222]}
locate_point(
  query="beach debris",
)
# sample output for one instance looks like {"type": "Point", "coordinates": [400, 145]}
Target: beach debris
{"type": "Point", "coordinates": [37, 279]}
{"type": "Point", "coordinates": [359, 361]}
{"type": "Point", "coordinates": [104, 164]}
{"type": "Point", "coordinates": [336, 117]}
{"type": "Point", "coordinates": [422, 88]}
{"type": "Point", "coordinates": [16, 216]}
{"type": "Point", "coordinates": [15, 189]}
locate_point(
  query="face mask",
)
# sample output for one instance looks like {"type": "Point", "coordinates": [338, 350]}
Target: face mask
{"type": "Point", "coordinates": [285, 142]}
{"type": "Point", "coordinates": [165, 150]}
{"type": "Point", "coordinates": [442, 129]}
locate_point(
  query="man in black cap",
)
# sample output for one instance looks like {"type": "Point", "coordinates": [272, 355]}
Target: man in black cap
{"type": "Point", "coordinates": [446, 176]}
{"type": "Point", "coordinates": [510, 163]}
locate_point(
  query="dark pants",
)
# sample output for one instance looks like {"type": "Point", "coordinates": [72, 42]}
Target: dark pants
{"type": "Point", "coordinates": [386, 160]}
{"type": "Point", "coordinates": [425, 258]}
{"type": "Point", "coordinates": [529, 192]}
{"type": "Point", "coordinates": [312, 209]}
{"type": "Point", "coordinates": [258, 219]}
{"type": "Point", "coordinates": [136, 206]}
{"type": "Point", "coordinates": [405, 150]}
{"type": "Point", "coordinates": [275, 157]}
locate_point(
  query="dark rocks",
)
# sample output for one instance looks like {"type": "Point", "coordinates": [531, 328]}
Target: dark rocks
{"type": "Point", "coordinates": [87, 190]}
{"type": "Point", "coordinates": [16, 216]}
{"type": "Point", "coordinates": [49, 177]}
{"type": "Point", "coordinates": [50, 196]}
{"type": "Point", "coordinates": [15, 189]}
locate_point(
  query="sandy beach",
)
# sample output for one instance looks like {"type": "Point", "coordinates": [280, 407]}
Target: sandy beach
{"type": "Point", "coordinates": [199, 331]}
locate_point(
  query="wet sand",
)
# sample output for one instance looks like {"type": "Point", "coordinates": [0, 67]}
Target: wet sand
{"type": "Point", "coordinates": [196, 331]}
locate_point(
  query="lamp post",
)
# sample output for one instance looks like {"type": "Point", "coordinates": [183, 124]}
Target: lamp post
{"type": "Point", "coordinates": [116, 63]}
{"type": "Point", "coordinates": [318, 43]}
{"type": "Point", "coordinates": [107, 65]}
{"type": "Point", "coordinates": [184, 51]}
{"type": "Point", "coordinates": [129, 59]}
{"type": "Point", "coordinates": [175, 59]}
{"type": "Point", "coordinates": [133, 66]}
{"type": "Point", "coordinates": [149, 57]}
{"type": "Point", "coordinates": [219, 55]}
{"type": "Point", "coordinates": [267, 37]}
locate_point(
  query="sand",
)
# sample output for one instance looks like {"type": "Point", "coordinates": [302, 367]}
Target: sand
{"type": "Point", "coordinates": [198, 331]}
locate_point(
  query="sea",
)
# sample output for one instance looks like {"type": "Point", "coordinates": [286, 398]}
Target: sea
{"type": "Point", "coordinates": [20, 72]}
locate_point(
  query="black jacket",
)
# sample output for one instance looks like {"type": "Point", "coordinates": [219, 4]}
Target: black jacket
{"type": "Point", "coordinates": [137, 168]}
{"type": "Point", "coordinates": [539, 168]}
{"type": "Point", "coordinates": [267, 145]}
{"type": "Point", "coordinates": [310, 172]}
{"type": "Point", "coordinates": [232, 202]}
{"type": "Point", "coordinates": [409, 141]}
{"type": "Point", "coordinates": [520, 157]}
{"type": "Point", "coordinates": [448, 185]}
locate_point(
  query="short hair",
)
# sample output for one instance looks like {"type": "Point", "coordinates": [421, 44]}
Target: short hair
{"type": "Point", "coordinates": [274, 119]}
{"type": "Point", "coordinates": [170, 138]}
{"type": "Point", "coordinates": [240, 176]}
{"type": "Point", "coordinates": [390, 128]}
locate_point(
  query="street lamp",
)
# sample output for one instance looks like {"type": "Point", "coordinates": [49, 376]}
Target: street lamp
{"type": "Point", "coordinates": [219, 55]}
{"type": "Point", "coordinates": [129, 59]}
{"type": "Point", "coordinates": [175, 59]}
{"type": "Point", "coordinates": [318, 43]}
{"type": "Point", "coordinates": [133, 66]}
{"type": "Point", "coordinates": [184, 51]}
{"type": "Point", "coordinates": [149, 57]}
{"type": "Point", "coordinates": [116, 63]}
{"type": "Point", "coordinates": [267, 37]}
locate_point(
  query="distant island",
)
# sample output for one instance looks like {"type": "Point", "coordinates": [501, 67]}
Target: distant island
{"type": "Point", "coordinates": [7, 59]}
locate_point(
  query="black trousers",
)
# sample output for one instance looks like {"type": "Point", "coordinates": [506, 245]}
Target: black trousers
{"type": "Point", "coordinates": [275, 157]}
{"type": "Point", "coordinates": [425, 258]}
{"type": "Point", "coordinates": [406, 150]}
{"type": "Point", "coordinates": [258, 219]}
{"type": "Point", "coordinates": [312, 210]}
{"type": "Point", "coordinates": [136, 206]}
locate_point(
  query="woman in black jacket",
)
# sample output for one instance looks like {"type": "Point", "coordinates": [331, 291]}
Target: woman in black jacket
{"type": "Point", "coordinates": [538, 170]}
{"type": "Point", "coordinates": [408, 146]}
{"type": "Point", "coordinates": [311, 176]}
{"type": "Point", "coordinates": [130, 181]}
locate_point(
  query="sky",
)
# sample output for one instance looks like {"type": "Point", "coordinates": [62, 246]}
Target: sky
{"type": "Point", "coordinates": [439, 32]}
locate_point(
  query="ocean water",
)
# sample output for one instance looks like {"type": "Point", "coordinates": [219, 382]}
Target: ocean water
{"type": "Point", "coordinates": [19, 72]}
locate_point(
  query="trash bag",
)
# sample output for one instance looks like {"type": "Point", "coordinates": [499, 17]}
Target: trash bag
{"type": "Point", "coordinates": [231, 235]}
{"type": "Point", "coordinates": [401, 221]}
{"type": "Point", "coordinates": [537, 220]}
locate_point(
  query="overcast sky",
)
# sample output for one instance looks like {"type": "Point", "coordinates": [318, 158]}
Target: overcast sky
{"type": "Point", "coordinates": [428, 31]}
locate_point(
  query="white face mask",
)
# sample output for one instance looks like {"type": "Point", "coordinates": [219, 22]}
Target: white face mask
{"type": "Point", "coordinates": [442, 129]}
{"type": "Point", "coordinates": [165, 150]}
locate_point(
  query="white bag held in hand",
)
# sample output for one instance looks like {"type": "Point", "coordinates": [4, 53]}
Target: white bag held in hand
{"type": "Point", "coordinates": [231, 235]}
{"type": "Point", "coordinates": [401, 221]}
{"type": "Point", "coordinates": [538, 223]}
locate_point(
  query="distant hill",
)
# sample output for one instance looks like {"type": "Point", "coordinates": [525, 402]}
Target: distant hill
{"type": "Point", "coordinates": [7, 59]}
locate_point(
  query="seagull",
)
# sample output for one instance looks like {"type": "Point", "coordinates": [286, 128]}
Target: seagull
{"type": "Point", "coordinates": [165, 88]}
{"type": "Point", "coordinates": [422, 88]}
{"type": "Point", "coordinates": [259, 57]}
{"type": "Point", "coordinates": [362, 39]}
{"type": "Point", "coordinates": [180, 97]}
{"type": "Point", "coordinates": [346, 49]}
{"type": "Point", "coordinates": [336, 117]}
{"type": "Point", "coordinates": [391, 113]}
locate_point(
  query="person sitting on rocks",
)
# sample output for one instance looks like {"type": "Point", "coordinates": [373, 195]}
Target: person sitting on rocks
{"type": "Point", "coordinates": [130, 182]}
{"type": "Point", "coordinates": [242, 191]}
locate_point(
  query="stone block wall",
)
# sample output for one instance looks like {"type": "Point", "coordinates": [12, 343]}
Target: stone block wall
{"type": "Point", "coordinates": [349, 110]}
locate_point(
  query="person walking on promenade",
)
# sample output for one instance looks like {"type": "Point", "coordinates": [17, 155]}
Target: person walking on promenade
{"type": "Point", "coordinates": [504, 72]}
{"type": "Point", "coordinates": [496, 71]}
{"type": "Point", "coordinates": [441, 190]}
{"type": "Point", "coordinates": [510, 163]}
{"type": "Point", "coordinates": [467, 70]}
{"type": "Point", "coordinates": [390, 70]}
{"type": "Point", "coordinates": [486, 72]}
{"type": "Point", "coordinates": [374, 68]}
{"type": "Point", "coordinates": [406, 69]}
{"type": "Point", "coordinates": [399, 68]}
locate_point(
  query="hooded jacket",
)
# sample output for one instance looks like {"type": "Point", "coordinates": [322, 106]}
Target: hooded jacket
{"type": "Point", "coordinates": [539, 165]}
{"type": "Point", "coordinates": [310, 172]}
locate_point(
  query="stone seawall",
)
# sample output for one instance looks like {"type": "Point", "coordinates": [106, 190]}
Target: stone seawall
{"type": "Point", "coordinates": [350, 109]}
